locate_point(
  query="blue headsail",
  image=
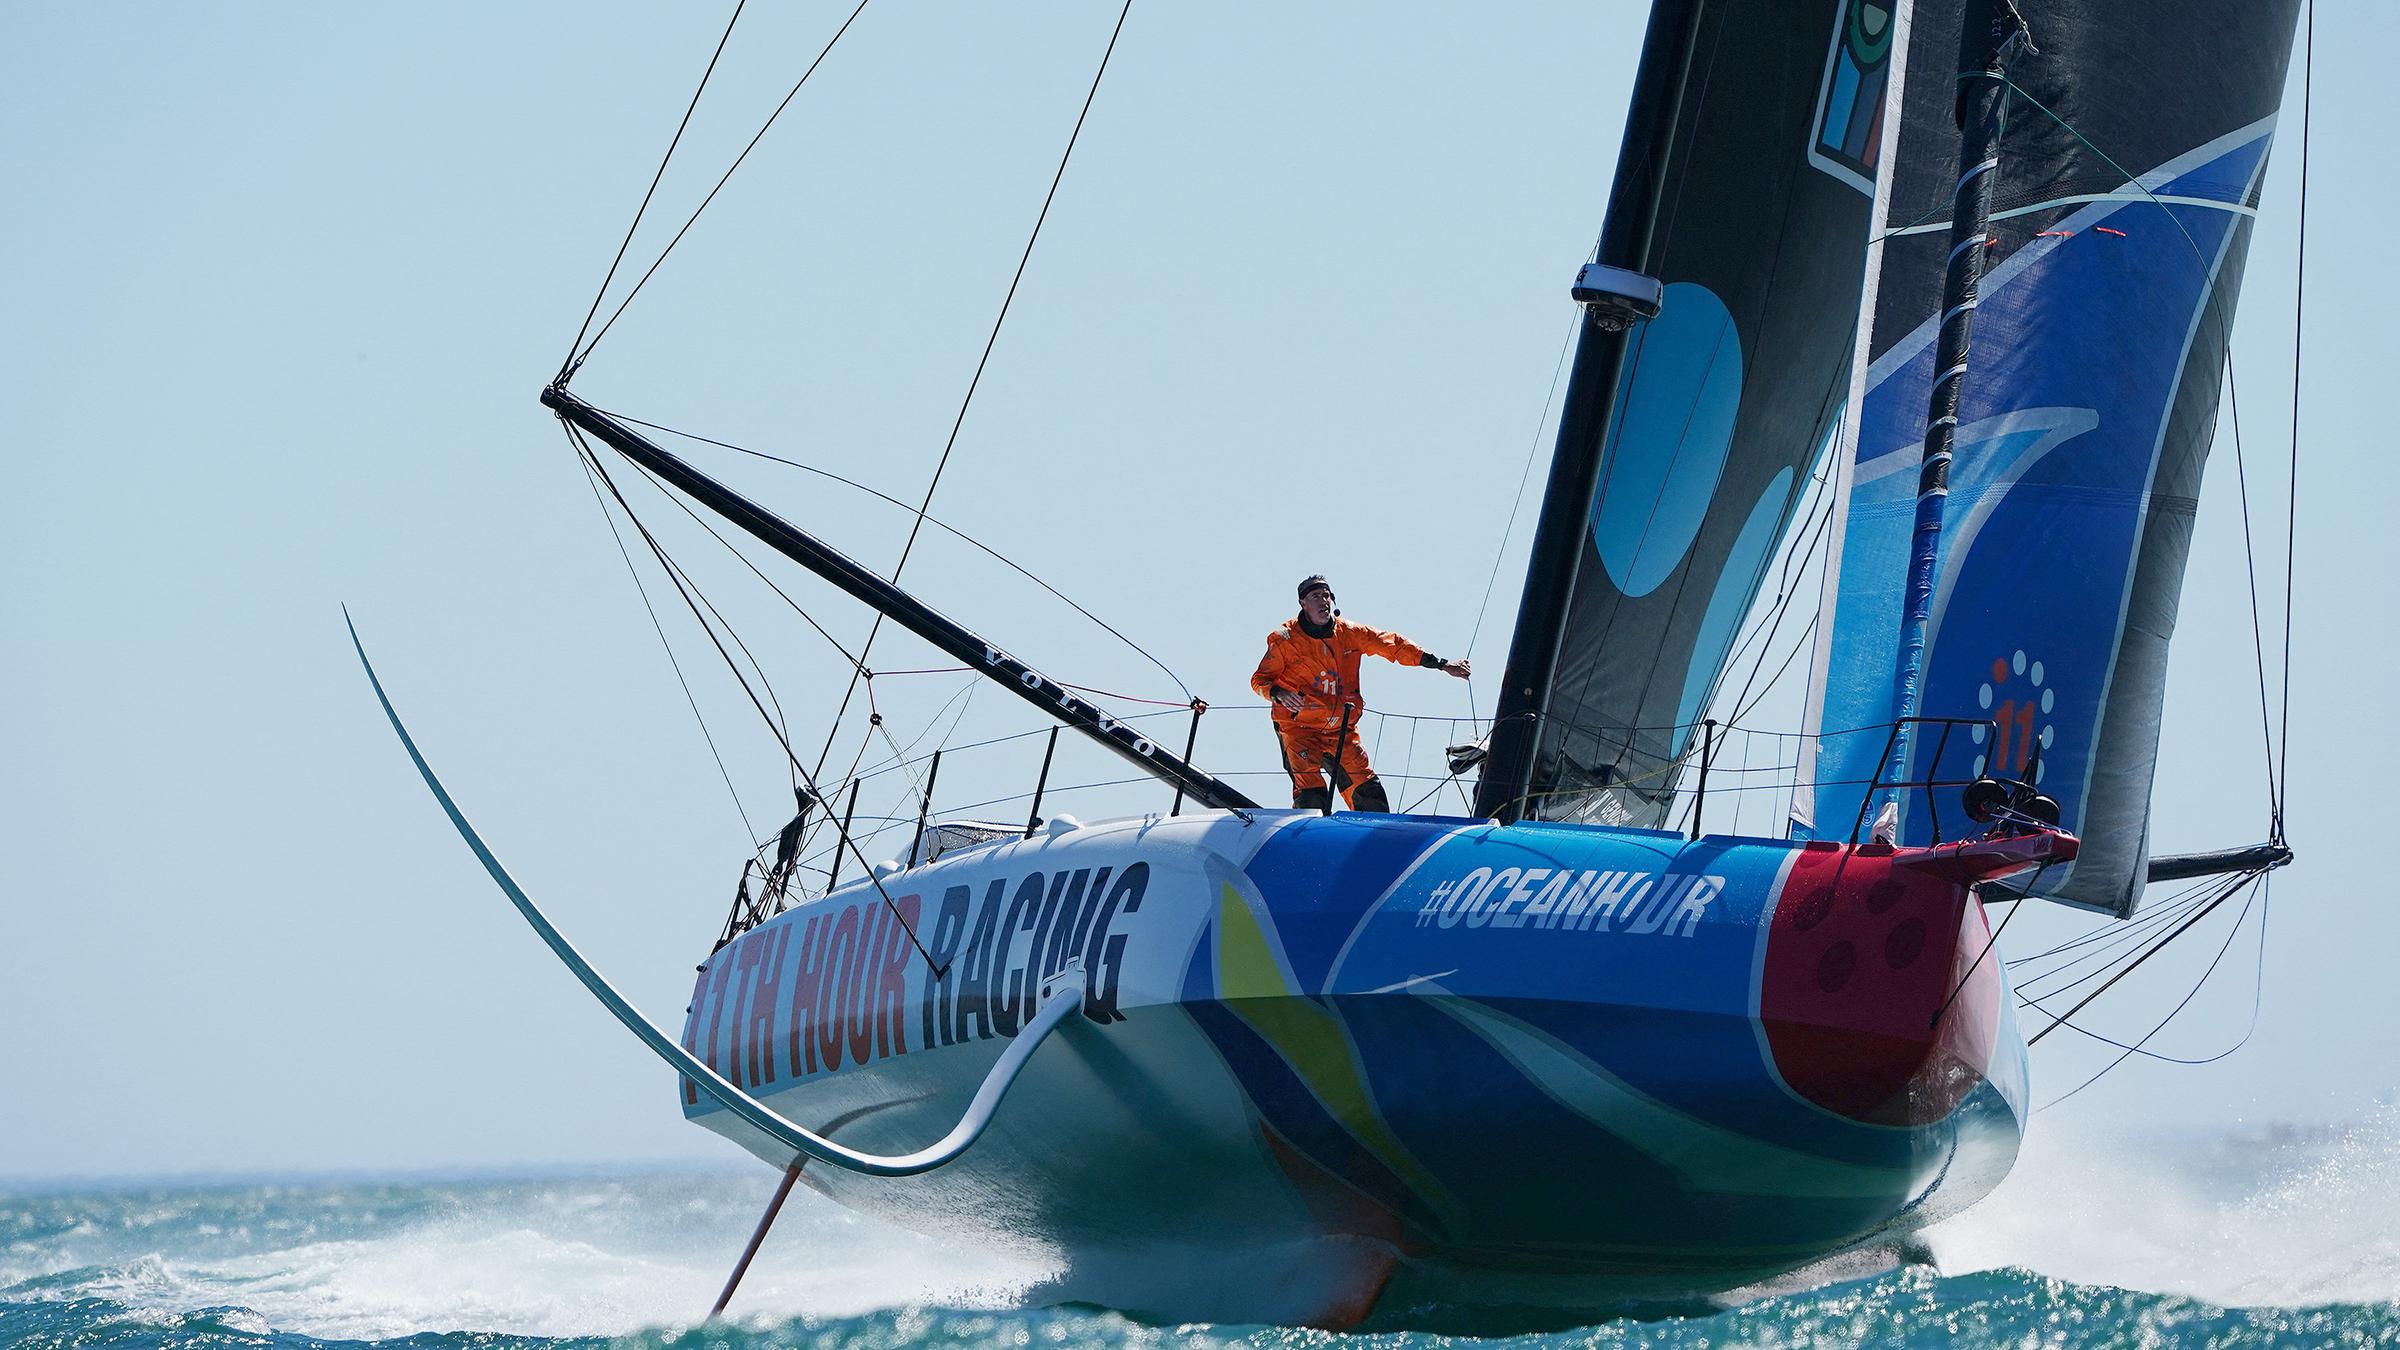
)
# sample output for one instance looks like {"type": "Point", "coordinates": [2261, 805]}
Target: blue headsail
{"type": "Point", "coordinates": [2130, 172]}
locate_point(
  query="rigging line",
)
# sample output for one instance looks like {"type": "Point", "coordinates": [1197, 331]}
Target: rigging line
{"type": "Point", "coordinates": [1990, 942]}
{"type": "Point", "coordinates": [731, 548]}
{"type": "Point", "coordinates": [727, 177]}
{"type": "Point", "coordinates": [2106, 958]}
{"type": "Point", "coordinates": [2173, 1012]}
{"type": "Point", "coordinates": [783, 725]}
{"type": "Point", "coordinates": [960, 697]}
{"type": "Point", "coordinates": [1819, 500]}
{"type": "Point", "coordinates": [2113, 948]}
{"type": "Point", "coordinates": [952, 530]}
{"type": "Point", "coordinates": [749, 830]}
{"type": "Point", "coordinates": [883, 767]}
{"type": "Point", "coordinates": [977, 380]}
{"type": "Point", "coordinates": [2113, 941]}
{"type": "Point", "coordinates": [888, 766]}
{"type": "Point", "coordinates": [916, 785]}
{"type": "Point", "coordinates": [2266, 901]}
{"type": "Point", "coordinates": [939, 970]}
{"type": "Point", "coordinates": [965, 699]}
{"type": "Point", "coordinates": [1430, 794]}
{"type": "Point", "coordinates": [875, 728]}
{"type": "Point", "coordinates": [2236, 883]}
{"type": "Point", "coordinates": [1517, 503]}
{"type": "Point", "coordinates": [566, 368]}
{"type": "Point", "coordinates": [2116, 963]}
{"type": "Point", "coordinates": [1055, 790]}
{"type": "Point", "coordinates": [1821, 486]}
{"type": "Point", "coordinates": [2291, 537]}
{"type": "Point", "coordinates": [2258, 638]}
{"type": "Point", "coordinates": [1758, 629]}
{"type": "Point", "coordinates": [2116, 927]}
{"type": "Point", "coordinates": [2112, 925]}
{"type": "Point", "coordinates": [1080, 688]}
{"type": "Point", "coordinates": [676, 576]}
{"type": "Point", "coordinates": [877, 725]}
{"type": "Point", "coordinates": [1799, 645]}
{"type": "Point", "coordinates": [1786, 594]}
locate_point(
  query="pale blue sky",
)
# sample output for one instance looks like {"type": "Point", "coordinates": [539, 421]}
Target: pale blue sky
{"type": "Point", "coordinates": [286, 280]}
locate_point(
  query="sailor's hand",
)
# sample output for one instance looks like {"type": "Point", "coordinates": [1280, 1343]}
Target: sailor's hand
{"type": "Point", "coordinates": [1288, 701]}
{"type": "Point", "coordinates": [1461, 669]}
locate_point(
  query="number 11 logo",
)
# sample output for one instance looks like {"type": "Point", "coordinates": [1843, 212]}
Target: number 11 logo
{"type": "Point", "coordinates": [2020, 708]}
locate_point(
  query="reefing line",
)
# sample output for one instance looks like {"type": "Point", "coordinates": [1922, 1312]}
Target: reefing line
{"type": "Point", "coordinates": [1063, 999]}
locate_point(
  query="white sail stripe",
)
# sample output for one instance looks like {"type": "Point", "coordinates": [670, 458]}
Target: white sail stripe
{"type": "Point", "coordinates": [1955, 310]}
{"type": "Point", "coordinates": [2057, 425]}
{"type": "Point", "coordinates": [1973, 241]}
{"type": "Point", "coordinates": [1970, 175]}
{"type": "Point", "coordinates": [2081, 198]}
{"type": "Point", "coordinates": [1906, 349]}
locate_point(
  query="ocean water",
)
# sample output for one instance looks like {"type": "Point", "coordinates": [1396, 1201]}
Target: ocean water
{"type": "Point", "coordinates": [2266, 1237]}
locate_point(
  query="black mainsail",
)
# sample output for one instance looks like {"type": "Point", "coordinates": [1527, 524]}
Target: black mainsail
{"type": "Point", "coordinates": [1686, 441]}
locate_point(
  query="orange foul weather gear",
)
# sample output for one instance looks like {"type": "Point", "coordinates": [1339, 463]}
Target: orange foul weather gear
{"type": "Point", "coordinates": [1323, 671]}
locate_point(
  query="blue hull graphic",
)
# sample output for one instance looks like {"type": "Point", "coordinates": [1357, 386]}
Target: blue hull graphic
{"type": "Point", "coordinates": [1574, 1063]}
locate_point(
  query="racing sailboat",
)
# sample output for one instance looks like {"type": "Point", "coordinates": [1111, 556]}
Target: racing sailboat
{"type": "Point", "coordinates": [1237, 1063]}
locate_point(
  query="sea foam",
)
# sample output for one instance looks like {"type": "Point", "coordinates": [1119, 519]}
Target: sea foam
{"type": "Point", "coordinates": [2277, 1218]}
{"type": "Point", "coordinates": [2276, 1215]}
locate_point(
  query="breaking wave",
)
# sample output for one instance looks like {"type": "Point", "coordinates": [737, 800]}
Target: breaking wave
{"type": "Point", "coordinates": [2271, 1237]}
{"type": "Point", "coordinates": [2280, 1215]}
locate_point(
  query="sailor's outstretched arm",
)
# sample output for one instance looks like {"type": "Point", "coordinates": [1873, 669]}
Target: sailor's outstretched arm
{"type": "Point", "coordinates": [1395, 648]}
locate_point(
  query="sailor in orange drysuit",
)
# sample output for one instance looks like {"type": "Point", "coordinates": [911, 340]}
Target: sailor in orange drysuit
{"type": "Point", "coordinates": [1310, 674]}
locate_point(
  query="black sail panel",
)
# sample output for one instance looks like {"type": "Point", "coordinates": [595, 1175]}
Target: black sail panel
{"type": "Point", "coordinates": [1688, 439]}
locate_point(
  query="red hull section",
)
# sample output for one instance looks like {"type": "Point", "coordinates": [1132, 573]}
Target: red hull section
{"type": "Point", "coordinates": [1864, 953]}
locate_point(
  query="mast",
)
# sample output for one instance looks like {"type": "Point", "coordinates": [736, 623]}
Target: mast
{"type": "Point", "coordinates": [901, 607]}
{"type": "Point", "coordinates": [1625, 243]}
{"type": "Point", "coordinates": [1993, 36]}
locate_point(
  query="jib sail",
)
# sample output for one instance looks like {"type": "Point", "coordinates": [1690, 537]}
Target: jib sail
{"type": "Point", "coordinates": [2129, 174]}
{"type": "Point", "coordinates": [1686, 440]}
